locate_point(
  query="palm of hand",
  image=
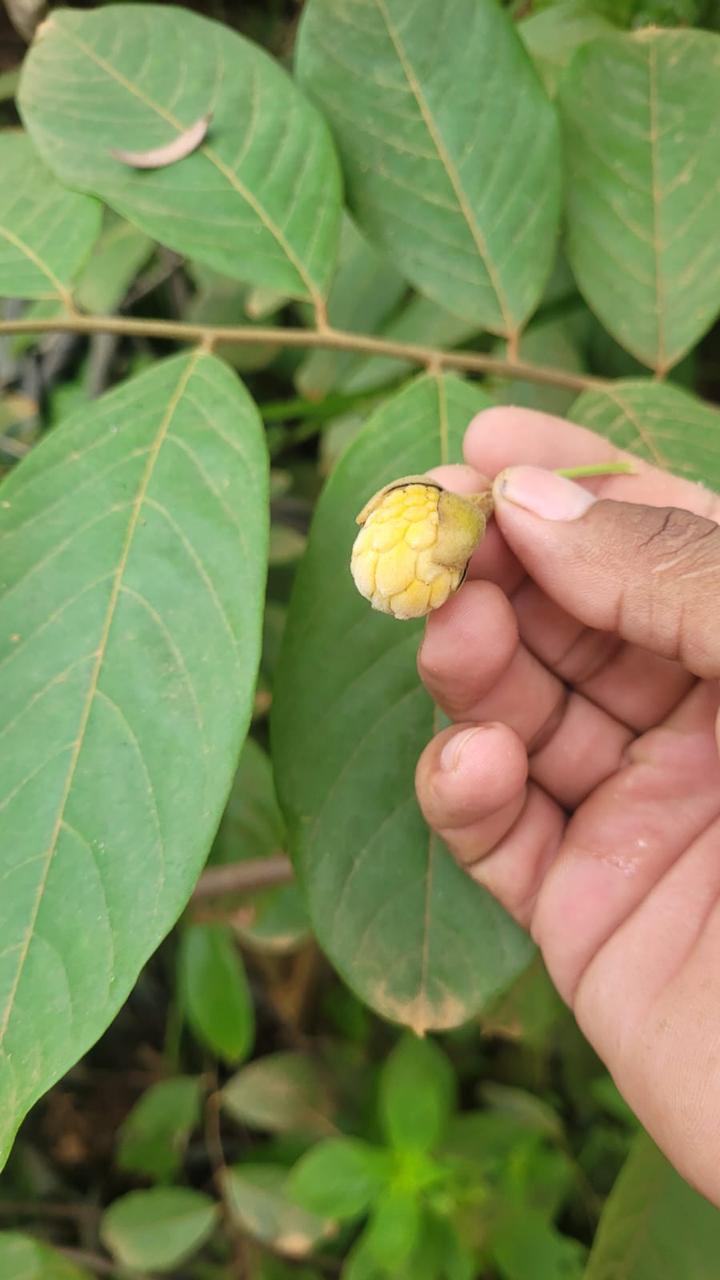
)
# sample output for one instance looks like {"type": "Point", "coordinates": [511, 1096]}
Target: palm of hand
{"type": "Point", "coordinates": [589, 803]}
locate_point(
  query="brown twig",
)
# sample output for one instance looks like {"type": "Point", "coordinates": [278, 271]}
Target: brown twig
{"type": "Point", "coordinates": [47, 1209]}
{"type": "Point", "coordinates": [243, 877]}
{"type": "Point", "coordinates": [327, 338]}
{"type": "Point", "coordinates": [216, 1156]}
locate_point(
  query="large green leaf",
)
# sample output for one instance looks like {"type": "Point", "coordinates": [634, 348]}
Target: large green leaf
{"type": "Point", "coordinates": [364, 292]}
{"type": "Point", "coordinates": [449, 143]}
{"type": "Point", "coordinates": [46, 232]}
{"type": "Point", "coordinates": [260, 199]}
{"type": "Point", "coordinates": [663, 424]}
{"type": "Point", "coordinates": [406, 927]}
{"type": "Point", "coordinates": [132, 546]}
{"type": "Point", "coordinates": [643, 201]}
{"type": "Point", "coordinates": [654, 1225]}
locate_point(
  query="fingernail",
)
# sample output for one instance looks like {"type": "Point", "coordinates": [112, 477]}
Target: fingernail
{"type": "Point", "coordinates": [544, 493]}
{"type": "Point", "coordinates": [454, 747]}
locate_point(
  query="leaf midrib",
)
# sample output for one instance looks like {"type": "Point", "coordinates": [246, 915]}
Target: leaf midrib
{"type": "Point", "coordinates": [314, 292]}
{"type": "Point", "coordinates": [661, 361]}
{"type": "Point", "coordinates": [92, 690]}
{"type": "Point", "coordinates": [449, 167]}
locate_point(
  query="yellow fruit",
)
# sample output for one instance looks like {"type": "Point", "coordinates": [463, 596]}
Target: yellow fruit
{"type": "Point", "coordinates": [412, 551]}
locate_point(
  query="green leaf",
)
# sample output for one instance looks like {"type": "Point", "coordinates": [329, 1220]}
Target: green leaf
{"type": "Point", "coordinates": [365, 289]}
{"type": "Point", "coordinates": [538, 1178]}
{"type": "Point", "coordinates": [419, 320]}
{"type": "Point", "coordinates": [361, 1265]}
{"type": "Point", "coordinates": [339, 1178]}
{"type": "Point", "coordinates": [449, 143]}
{"type": "Point", "coordinates": [411, 933]}
{"type": "Point", "coordinates": [654, 1224]}
{"type": "Point", "coordinates": [662, 424]}
{"type": "Point", "coordinates": [553, 344]}
{"type": "Point", "coordinates": [22, 1258]}
{"type": "Point", "coordinates": [417, 1094]}
{"type": "Point", "coordinates": [153, 1136]}
{"type": "Point", "coordinates": [46, 232]}
{"type": "Point", "coordinates": [530, 1011]}
{"type": "Point", "coordinates": [393, 1230]}
{"type": "Point", "coordinates": [158, 1229]}
{"type": "Point", "coordinates": [531, 1111]}
{"type": "Point", "coordinates": [610, 1100]}
{"type": "Point", "coordinates": [133, 543]}
{"type": "Point", "coordinates": [103, 282]}
{"type": "Point", "coordinates": [259, 200]}
{"type": "Point", "coordinates": [486, 1143]}
{"type": "Point", "coordinates": [281, 1093]}
{"type": "Point", "coordinates": [643, 202]}
{"type": "Point", "coordinates": [258, 1199]}
{"type": "Point", "coordinates": [252, 827]}
{"type": "Point", "coordinates": [441, 1251]}
{"type": "Point", "coordinates": [113, 265]}
{"type": "Point", "coordinates": [215, 992]}
{"type": "Point", "coordinates": [9, 81]}
{"type": "Point", "coordinates": [552, 35]}
{"type": "Point", "coordinates": [526, 1247]}
{"type": "Point", "coordinates": [222, 300]}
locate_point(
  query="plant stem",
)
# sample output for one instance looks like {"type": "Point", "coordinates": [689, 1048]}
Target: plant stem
{"type": "Point", "coordinates": [328, 338]}
{"type": "Point", "coordinates": [94, 1262]}
{"type": "Point", "coordinates": [243, 877]}
{"type": "Point", "coordinates": [597, 469]}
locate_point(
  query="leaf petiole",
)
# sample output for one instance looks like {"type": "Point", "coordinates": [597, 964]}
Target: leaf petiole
{"type": "Point", "coordinates": [597, 469]}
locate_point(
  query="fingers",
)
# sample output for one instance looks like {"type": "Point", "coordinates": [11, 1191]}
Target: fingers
{"type": "Point", "coordinates": [474, 667]}
{"type": "Point", "coordinates": [472, 788]}
{"type": "Point", "coordinates": [636, 687]}
{"type": "Point", "coordinates": [633, 686]}
{"type": "Point", "coordinates": [493, 560]}
{"type": "Point", "coordinates": [648, 574]}
{"type": "Point", "coordinates": [626, 836]}
{"type": "Point", "coordinates": [472, 778]}
{"type": "Point", "coordinates": [505, 437]}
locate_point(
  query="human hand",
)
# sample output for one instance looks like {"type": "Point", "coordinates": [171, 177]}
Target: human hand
{"type": "Point", "coordinates": [581, 780]}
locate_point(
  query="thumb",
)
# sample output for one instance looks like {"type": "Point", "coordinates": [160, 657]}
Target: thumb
{"type": "Point", "coordinates": [650, 574]}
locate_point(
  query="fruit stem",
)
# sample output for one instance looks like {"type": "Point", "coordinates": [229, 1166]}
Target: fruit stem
{"type": "Point", "coordinates": [484, 501]}
{"type": "Point", "coordinates": [598, 469]}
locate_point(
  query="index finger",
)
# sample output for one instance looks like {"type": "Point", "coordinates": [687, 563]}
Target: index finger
{"type": "Point", "coordinates": [503, 437]}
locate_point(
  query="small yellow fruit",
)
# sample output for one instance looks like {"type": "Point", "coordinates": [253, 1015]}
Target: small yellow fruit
{"type": "Point", "coordinates": [412, 551]}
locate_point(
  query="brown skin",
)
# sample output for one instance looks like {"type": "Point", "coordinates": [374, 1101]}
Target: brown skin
{"type": "Point", "coordinates": [588, 650]}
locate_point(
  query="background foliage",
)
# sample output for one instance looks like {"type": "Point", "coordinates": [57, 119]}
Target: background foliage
{"type": "Point", "coordinates": [378, 220]}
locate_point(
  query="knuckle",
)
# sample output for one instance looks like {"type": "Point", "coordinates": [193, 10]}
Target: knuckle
{"type": "Point", "coordinates": [681, 541]}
